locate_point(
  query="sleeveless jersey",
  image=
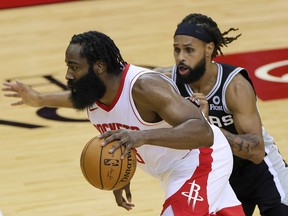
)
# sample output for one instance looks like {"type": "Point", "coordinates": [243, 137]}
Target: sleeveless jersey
{"type": "Point", "coordinates": [122, 114]}
{"type": "Point", "coordinates": [185, 175]}
{"type": "Point", "coordinates": [219, 114]}
{"type": "Point", "coordinates": [222, 117]}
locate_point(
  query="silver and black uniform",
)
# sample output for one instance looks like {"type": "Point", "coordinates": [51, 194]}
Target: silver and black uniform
{"type": "Point", "coordinates": [265, 184]}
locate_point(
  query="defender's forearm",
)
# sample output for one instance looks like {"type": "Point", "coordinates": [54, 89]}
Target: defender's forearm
{"type": "Point", "coordinates": [246, 146]}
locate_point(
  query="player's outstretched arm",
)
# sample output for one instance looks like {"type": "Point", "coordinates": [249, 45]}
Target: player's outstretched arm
{"type": "Point", "coordinates": [31, 97]}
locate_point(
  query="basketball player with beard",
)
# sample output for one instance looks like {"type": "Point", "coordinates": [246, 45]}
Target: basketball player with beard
{"type": "Point", "coordinates": [143, 110]}
{"type": "Point", "coordinates": [226, 95]}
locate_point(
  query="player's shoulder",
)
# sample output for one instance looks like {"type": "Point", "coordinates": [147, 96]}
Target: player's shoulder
{"type": "Point", "coordinates": [237, 78]}
{"type": "Point", "coordinates": [167, 71]}
{"type": "Point", "coordinates": [227, 67]}
{"type": "Point", "coordinates": [237, 75]}
{"type": "Point", "coordinates": [239, 84]}
{"type": "Point", "coordinates": [155, 85]}
{"type": "Point", "coordinates": [239, 91]}
{"type": "Point", "coordinates": [152, 79]}
{"type": "Point", "coordinates": [233, 69]}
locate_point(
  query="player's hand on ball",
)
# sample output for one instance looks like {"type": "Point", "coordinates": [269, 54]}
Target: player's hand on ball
{"type": "Point", "coordinates": [120, 200]}
{"type": "Point", "coordinates": [104, 170]}
{"type": "Point", "coordinates": [128, 138]}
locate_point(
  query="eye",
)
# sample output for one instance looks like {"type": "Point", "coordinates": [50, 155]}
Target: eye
{"type": "Point", "coordinates": [176, 50]}
{"type": "Point", "coordinates": [189, 50]}
{"type": "Point", "coordinates": [74, 68]}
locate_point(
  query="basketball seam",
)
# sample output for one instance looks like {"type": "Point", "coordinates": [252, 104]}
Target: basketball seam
{"type": "Point", "coordinates": [120, 173]}
{"type": "Point", "coordinates": [100, 165]}
{"type": "Point", "coordinates": [121, 170]}
{"type": "Point", "coordinates": [83, 163]}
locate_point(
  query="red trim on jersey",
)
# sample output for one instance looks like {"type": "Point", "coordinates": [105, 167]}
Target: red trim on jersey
{"type": "Point", "coordinates": [180, 202]}
{"type": "Point", "coordinates": [139, 158]}
{"type": "Point", "coordinates": [108, 108]}
{"type": "Point", "coordinates": [233, 210]}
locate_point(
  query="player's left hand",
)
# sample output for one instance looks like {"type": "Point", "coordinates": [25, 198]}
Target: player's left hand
{"type": "Point", "coordinates": [120, 200]}
{"type": "Point", "coordinates": [25, 93]}
{"type": "Point", "coordinates": [128, 138]}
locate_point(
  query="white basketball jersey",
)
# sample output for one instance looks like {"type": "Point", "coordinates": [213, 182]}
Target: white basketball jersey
{"type": "Point", "coordinates": [123, 114]}
{"type": "Point", "coordinates": [184, 174]}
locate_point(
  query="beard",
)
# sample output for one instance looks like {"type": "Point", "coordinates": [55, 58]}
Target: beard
{"type": "Point", "coordinates": [194, 74]}
{"type": "Point", "coordinates": [86, 90]}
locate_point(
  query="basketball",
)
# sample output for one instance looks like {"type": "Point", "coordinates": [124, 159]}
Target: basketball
{"type": "Point", "coordinates": [104, 170]}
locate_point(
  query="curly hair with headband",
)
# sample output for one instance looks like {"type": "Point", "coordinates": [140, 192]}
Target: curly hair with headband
{"type": "Point", "coordinates": [209, 25]}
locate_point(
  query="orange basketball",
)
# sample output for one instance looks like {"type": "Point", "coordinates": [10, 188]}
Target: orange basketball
{"type": "Point", "coordinates": [104, 170]}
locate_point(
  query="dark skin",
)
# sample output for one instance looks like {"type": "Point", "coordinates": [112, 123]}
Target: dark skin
{"type": "Point", "coordinates": [155, 100]}
{"type": "Point", "coordinates": [249, 143]}
{"type": "Point", "coordinates": [143, 103]}
{"type": "Point", "coordinates": [243, 145]}
{"type": "Point", "coordinates": [161, 102]}
{"type": "Point", "coordinates": [152, 106]}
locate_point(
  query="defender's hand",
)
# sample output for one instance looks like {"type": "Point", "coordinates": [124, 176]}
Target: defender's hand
{"type": "Point", "coordinates": [201, 100]}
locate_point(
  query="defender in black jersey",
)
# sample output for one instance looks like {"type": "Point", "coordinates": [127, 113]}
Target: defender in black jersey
{"type": "Point", "coordinates": [257, 179]}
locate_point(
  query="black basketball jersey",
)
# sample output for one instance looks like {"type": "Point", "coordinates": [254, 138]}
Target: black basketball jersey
{"type": "Point", "coordinates": [219, 115]}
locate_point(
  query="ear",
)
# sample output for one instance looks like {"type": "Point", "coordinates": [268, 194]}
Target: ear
{"type": "Point", "coordinates": [99, 67]}
{"type": "Point", "coordinates": [209, 49]}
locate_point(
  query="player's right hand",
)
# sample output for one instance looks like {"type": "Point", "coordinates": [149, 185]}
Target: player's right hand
{"type": "Point", "coordinates": [121, 201]}
{"type": "Point", "coordinates": [26, 94]}
{"type": "Point", "coordinates": [201, 100]}
{"type": "Point", "coordinates": [128, 138]}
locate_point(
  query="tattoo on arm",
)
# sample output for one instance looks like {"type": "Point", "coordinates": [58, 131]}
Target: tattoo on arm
{"type": "Point", "coordinates": [243, 145]}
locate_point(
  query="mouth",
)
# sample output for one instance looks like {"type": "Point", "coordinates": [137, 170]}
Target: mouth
{"type": "Point", "coordinates": [183, 70]}
{"type": "Point", "coordinates": [70, 84]}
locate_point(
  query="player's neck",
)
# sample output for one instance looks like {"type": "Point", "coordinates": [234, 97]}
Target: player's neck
{"type": "Point", "coordinates": [112, 84]}
{"type": "Point", "coordinates": [207, 81]}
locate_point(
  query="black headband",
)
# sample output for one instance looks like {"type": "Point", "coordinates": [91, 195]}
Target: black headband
{"type": "Point", "coordinates": [193, 30]}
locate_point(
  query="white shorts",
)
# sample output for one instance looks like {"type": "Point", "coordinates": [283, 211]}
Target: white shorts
{"type": "Point", "coordinates": [199, 184]}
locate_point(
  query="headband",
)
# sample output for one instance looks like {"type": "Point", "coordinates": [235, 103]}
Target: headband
{"type": "Point", "coordinates": [193, 30]}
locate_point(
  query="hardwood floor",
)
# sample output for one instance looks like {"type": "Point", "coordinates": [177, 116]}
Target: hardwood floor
{"type": "Point", "coordinates": [39, 169]}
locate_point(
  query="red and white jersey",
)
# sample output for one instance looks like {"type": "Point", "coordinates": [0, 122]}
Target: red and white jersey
{"type": "Point", "coordinates": [195, 181]}
{"type": "Point", "coordinates": [122, 114]}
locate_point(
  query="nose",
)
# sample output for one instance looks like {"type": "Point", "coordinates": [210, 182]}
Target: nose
{"type": "Point", "coordinates": [179, 57]}
{"type": "Point", "coordinates": [68, 75]}
{"type": "Point", "coordinates": [182, 56]}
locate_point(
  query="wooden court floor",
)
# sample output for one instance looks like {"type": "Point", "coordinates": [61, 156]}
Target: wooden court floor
{"type": "Point", "coordinates": [39, 168]}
